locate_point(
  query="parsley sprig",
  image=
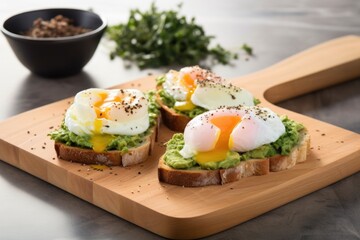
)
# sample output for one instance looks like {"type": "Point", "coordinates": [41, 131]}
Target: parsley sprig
{"type": "Point", "coordinates": [155, 38]}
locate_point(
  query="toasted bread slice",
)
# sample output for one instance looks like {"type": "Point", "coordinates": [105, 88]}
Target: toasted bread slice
{"type": "Point", "coordinates": [110, 158]}
{"type": "Point", "coordinates": [251, 167]}
{"type": "Point", "coordinates": [173, 120]}
{"type": "Point", "coordinates": [199, 178]}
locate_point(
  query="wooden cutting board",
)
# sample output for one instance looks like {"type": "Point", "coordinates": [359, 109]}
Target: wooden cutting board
{"type": "Point", "coordinates": [135, 194]}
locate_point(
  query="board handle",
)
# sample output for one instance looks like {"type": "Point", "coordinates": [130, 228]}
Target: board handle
{"type": "Point", "coordinates": [321, 66]}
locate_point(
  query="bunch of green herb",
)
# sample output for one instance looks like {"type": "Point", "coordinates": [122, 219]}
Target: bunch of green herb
{"type": "Point", "coordinates": [155, 38]}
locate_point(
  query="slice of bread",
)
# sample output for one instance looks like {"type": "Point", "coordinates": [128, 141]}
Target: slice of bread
{"type": "Point", "coordinates": [251, 167]}
{"type": "Point", "coordinates": [110, 158]}
{"type": "Point", "coordinates": [199, 178]}
{"type": "Point", "coordinates": [173, 120]}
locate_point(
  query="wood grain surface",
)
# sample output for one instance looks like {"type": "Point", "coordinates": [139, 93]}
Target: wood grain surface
{"type": "Point", "coordinates": [134, 193]}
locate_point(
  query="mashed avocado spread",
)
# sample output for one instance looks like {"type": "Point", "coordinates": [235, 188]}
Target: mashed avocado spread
{"type": "Point", "coordinates": [281, 146]}
{"type": "Point", "coordinates": [119, 142]}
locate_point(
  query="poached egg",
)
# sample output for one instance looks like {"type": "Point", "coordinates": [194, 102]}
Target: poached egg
{"type": "Point", "coordinates": [102, 113]}
{"type": "Point", "coordinates": [209, 136]}
{"type": "Point", "coordinates": [194, 86]}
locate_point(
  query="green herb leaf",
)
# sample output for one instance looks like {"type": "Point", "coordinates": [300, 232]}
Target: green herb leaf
{"type": "Point", "coordinates": [247, 49]}
{"type": "Point", "coordinates": [155, 38]}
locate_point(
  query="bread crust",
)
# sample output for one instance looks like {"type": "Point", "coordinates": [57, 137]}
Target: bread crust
{"type": "Point", "coordinates": [251, 167]}
{"type": "Point", "coordinates": [187, 178]}
{"type": "Point", "coordinates": [200, 178]}
{"type": "Point", "coordinates": [110, 158]}
{"type": "Point", "coordinates": [173, 120]}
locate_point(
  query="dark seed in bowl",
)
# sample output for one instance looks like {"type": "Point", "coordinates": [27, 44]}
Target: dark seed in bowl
{"type": "Point", "coordinates": [58, 26]}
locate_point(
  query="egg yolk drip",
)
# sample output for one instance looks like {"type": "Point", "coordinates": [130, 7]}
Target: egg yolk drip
{"type": "Point", "coordinates": [102, 108]}
{"type": "Point", "coordinates": [189, 83]}
{"type": "Point", "coordinates": [226, 124]}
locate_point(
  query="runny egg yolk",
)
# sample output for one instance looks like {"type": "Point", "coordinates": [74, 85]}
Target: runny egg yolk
{"type": "Point", "coordinates": [188, 82]}
{"type": "Point", "coordinates": [102, 107]}
{"type": "Point", "coordinates": [226, 124]}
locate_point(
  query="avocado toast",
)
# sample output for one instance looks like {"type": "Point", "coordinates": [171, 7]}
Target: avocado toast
{"type": "Point", "coordinates": [286, 148]}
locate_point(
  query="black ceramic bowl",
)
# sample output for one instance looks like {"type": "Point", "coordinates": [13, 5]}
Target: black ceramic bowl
{"type": "Point", "coordinates": [54, 57]}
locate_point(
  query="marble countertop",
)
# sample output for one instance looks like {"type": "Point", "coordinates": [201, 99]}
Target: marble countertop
{"type": "Point", "coordinates": [33, 209]}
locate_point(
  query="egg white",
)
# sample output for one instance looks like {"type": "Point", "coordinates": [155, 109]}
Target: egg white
{"type": "Point", "coordinates": [210, 95]}
{"type": "Point", "coordinates": [127, 117]}
{"type": "Point", "coordinates": [258, 126]}
{"type": "Point", "coordinates": [173, 86]}
{"type": "Point", "coordinates": [210, 90]}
